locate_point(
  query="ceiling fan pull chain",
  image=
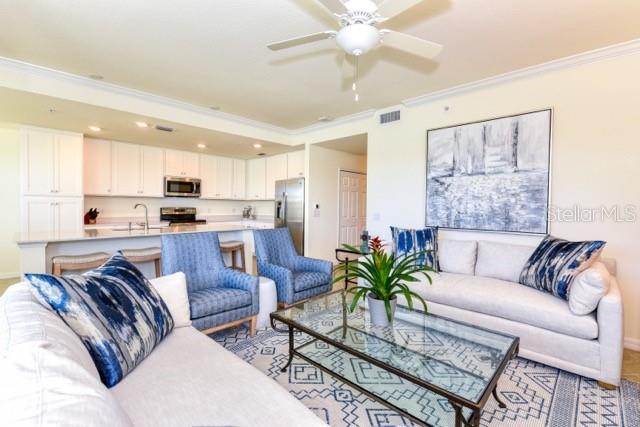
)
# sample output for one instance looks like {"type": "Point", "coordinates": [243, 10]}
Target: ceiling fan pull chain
{"type": "Point", "coordinates": [355, 81]}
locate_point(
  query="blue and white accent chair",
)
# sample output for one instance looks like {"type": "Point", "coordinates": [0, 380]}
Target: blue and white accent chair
{"type": "Point", "coordinates": [219, 297]}
{"type": "Point", "coordinates": [296, 277]}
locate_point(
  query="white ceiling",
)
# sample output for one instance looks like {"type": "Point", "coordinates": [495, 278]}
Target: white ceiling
{"type": "Point", "coordinates": [32, 109]}
{"type": "Point", "coordinates": [212, 52]}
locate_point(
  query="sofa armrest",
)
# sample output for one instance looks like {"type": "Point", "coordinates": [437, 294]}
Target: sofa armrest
{"type": "Point", "coordinates": [312, 264]}
{"type": "Point", "coordinates": [282, 277]}
{"type": "Point", "coordinates": [238, 280]}
{"type": "Point", "coordinates": [611, 334]}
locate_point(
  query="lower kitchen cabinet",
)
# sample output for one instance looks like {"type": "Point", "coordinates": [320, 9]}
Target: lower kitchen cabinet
{"type": "Point", "coordinates": [51, 215]}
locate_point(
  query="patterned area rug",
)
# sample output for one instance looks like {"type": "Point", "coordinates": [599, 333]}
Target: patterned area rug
{"type": "Point", "coordinates": [535, 394]}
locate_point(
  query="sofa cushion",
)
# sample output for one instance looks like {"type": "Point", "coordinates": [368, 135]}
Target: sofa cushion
{"type": "Point", "coordinates": [304, 280]}
{"type": "Point", "coordinates": [190, 380]}
{"type": "Point", "coordinates": [173, 291]}
{"type": "Point", "coordinates": [114, 310]}
{"type": "Point", "coordinates": [206, 302]}
{"type": "Point", "coordinates": [588, 288]}
{"type": "Point", "coordinates": [502, 260]}
{"type": "Point", "coordinates": [457, 256]}
{"type": "Point", "coordinates": [40, 387]}
{"type": "Point", "coordinates": [507, 300]}
{"type": "Point", "coordinates": [556, 262]}
{"type": "Point", "coordinates": [23, 320]}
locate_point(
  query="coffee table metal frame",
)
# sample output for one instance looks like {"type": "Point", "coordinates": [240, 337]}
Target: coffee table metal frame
{"type": "Point", "coordinates": [457, 402]}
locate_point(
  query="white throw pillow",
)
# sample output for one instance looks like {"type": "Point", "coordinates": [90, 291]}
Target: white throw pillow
{"type": "Point", "coordinates": [502, 261]}
{"type": "Point", "coordinates": [173, 291]}
{"type": "Point", "coordinates": [588, 288]}
{"type": "Point", "coordinates": [40, 387]}
{"type": "Point", "coordinates": [457, 256]}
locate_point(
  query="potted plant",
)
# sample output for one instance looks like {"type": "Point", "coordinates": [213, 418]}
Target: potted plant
{"type": "Point", "coordinates": [385, 277]}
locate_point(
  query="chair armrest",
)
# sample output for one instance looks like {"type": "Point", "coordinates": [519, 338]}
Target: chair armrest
{"type": "Point", "coordinates": [311, 264]}
{"type": "Point", "coordinates": [238, 280]}
{"type": "Point", "coordinates": [283, 278]}
{"type": "Point", "coordinates": [611, 334]}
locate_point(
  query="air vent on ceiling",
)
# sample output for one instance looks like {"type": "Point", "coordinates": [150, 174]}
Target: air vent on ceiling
{"type": "Point", "coordinates": [164, 128]}
{"type": "Point", "coordinates": [391, 116]}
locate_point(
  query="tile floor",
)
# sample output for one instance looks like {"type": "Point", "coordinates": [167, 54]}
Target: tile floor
{"type": "Point", "coordinates": [630, 367]}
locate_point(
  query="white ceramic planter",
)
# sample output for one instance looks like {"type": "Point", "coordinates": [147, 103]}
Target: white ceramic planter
{"type": "Point", "coordinates": [377, 311]}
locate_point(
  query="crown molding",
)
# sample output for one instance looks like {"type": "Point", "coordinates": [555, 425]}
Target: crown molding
{"type": "Point", "coordinates": [335, 122]}
{"type": "Point", "coordinates": [32, 69]}
{"type": "Point", "coordinates": [597, 55]}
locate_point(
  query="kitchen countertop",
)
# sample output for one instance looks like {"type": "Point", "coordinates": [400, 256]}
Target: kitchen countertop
{"type": "Point", "coordinates": [122, 232]}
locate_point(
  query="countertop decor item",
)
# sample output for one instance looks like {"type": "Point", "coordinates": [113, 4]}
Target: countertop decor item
{"type": "Point", "coordinates": [91, 216]}
{"type": "Point", "coordinates": [385, 276]}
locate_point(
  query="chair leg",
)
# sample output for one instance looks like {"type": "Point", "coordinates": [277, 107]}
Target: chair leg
{"type": "Point", "coordinates": [252, 325]}
{"type": "Point", "coordinates": [157, 265]}
{"type": "Point", "coordinates": [233, 260]}
{"type": "Point", "coordinates": [606, 386]}
{"type": "Point", "coordinates": [244, 267]}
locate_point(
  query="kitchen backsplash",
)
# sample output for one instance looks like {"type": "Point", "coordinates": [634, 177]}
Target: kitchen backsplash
{"type": "Point", "coordinates": [119, 209]}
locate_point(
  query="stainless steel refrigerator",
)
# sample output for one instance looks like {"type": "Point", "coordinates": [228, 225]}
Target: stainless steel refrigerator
{"type": "Point", "coordinates": [289, 209]}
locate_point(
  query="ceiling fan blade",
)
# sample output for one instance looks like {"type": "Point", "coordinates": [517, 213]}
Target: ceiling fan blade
{"type": "Point", "coordinates": [333, 6]}
{"type": "Point", "coordinates": [391, 8]}
{"type": "Point", "coordinates": [410, 44]}
{"type": "Point", "coordinates": [285, 44]}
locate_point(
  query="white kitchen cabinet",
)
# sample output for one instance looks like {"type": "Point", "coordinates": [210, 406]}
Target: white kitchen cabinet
{"type": "Point", "coordinates": [276, 169]}
{"type": "Point", "coordinates": [126, 169]}
{"type": "Point", "coordinates": [239, 179]}
{"type": "Point", "coordinates": [51, 215]}
{"type": "Point", "coordinates": [295, 164]}
{"type": "Point", "coordinates": [182, 163]}
{"type": "Point", "coordinates": [224, 178]}
{"type": "Point", "coordinates": [208, 175]}
{"type": "Point", "coordinates": [152, 173]}
{"type": "Point", "coordinates": [97, 167]}
{"type": "Point", "coordinates": [51, 162]}
{"type": "Point", "coordinates": [256, 179]}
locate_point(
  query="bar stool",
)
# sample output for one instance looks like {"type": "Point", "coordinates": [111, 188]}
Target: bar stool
{"type": "Point", "coordinates": [62, 263]}
{"type": "Point", "coordinates": [233, 246]}
{"type": "Point", "coordinates": [144, 255]}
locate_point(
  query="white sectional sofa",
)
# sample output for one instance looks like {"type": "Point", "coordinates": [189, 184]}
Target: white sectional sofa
{"type": "Point", "coordinates": [48, 378]}
{"type": "Point", "coordinates": [478, 285]}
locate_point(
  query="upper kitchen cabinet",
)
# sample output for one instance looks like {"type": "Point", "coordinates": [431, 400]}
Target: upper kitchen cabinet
{"type": "Point", "coordinates": [256, 178]}
{"type": "Point", "coordinates": [276, 169]}
{"type": "Point", "coordinates": [119, 169]}
{"type": "Point", "coordinates": [182, 163]}
{"type": "Point", "coordinates": [295, 164]}
{"type": "Point", "coordinates": [239, 179]}
{"type": "Point", "coordinates": [97, 167]}
{"type": "Point", "coordinates": [152, 174]}
{"type": "Point", "coordinates": [217, 177]}
{"type": "Point", "coordinates": [51, 162]}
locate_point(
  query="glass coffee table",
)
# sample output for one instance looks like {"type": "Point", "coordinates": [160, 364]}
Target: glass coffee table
{"type": "Point", "coordinates": [433, 370]}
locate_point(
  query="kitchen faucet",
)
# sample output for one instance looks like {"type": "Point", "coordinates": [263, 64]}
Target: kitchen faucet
{"type": "Point", "coordinates": [146, 215]}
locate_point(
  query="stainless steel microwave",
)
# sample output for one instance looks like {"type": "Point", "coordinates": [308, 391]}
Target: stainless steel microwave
{"type": "Point", "coordinates": [176, 186]}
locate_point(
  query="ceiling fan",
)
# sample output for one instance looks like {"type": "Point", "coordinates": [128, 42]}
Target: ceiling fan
{"type": "Point", "coordinates": [359, 32]}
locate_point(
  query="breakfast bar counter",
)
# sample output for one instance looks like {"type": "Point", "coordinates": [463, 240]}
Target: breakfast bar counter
{"type": "Point", "coordinates": [37, 249]}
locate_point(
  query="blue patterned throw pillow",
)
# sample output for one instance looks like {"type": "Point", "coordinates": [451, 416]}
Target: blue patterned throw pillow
{"type": "Point", "coordinates": [556, 262]}
{"type": "Point", "coordinates": [409, 241]}
{"type": "Point", "coordinates": [114, 310]}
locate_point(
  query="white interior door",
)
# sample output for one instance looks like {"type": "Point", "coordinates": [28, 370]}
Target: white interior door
{"type": "Point", "coordinates": [353, 207]}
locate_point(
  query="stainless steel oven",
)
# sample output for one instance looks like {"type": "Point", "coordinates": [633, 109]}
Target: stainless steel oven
{"type": "Point", "coordinates": [176, 186]}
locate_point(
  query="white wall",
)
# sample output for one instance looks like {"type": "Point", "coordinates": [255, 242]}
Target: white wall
{"type": "Point", "coordinates": [10, 196]}
{"type": "Point", "coordinates": [324, 189]}
{"type": "Point", "coordinates": [595, 157]}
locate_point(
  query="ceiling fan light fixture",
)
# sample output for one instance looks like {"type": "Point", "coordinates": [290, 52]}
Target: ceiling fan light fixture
{"type": "Point", "coordinates": [358, 39]}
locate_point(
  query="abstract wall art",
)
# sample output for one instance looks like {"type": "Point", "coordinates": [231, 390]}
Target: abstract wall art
{"type": "Point", "coordinates": [490, 175]}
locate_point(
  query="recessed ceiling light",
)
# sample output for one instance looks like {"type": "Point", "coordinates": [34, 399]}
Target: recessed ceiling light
{"type": "Point", "coordinates": [214, 107]}
{"type": "Point", "coordinates": [202, 145]}
{"type": "Point", "coordinates": [95, 128]}
{"type": "Point", "coordinates": [142, 124]}
{"type": "Point", "coordinates": [96, 76]}
{"type": "Point", "coordinates": [325, 118]}
{"type": "Point", "coordinates": [256, 145]}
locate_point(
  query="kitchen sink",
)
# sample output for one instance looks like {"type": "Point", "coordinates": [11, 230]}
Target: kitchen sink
{"type": "Point", "coordinates": [139, 227]}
